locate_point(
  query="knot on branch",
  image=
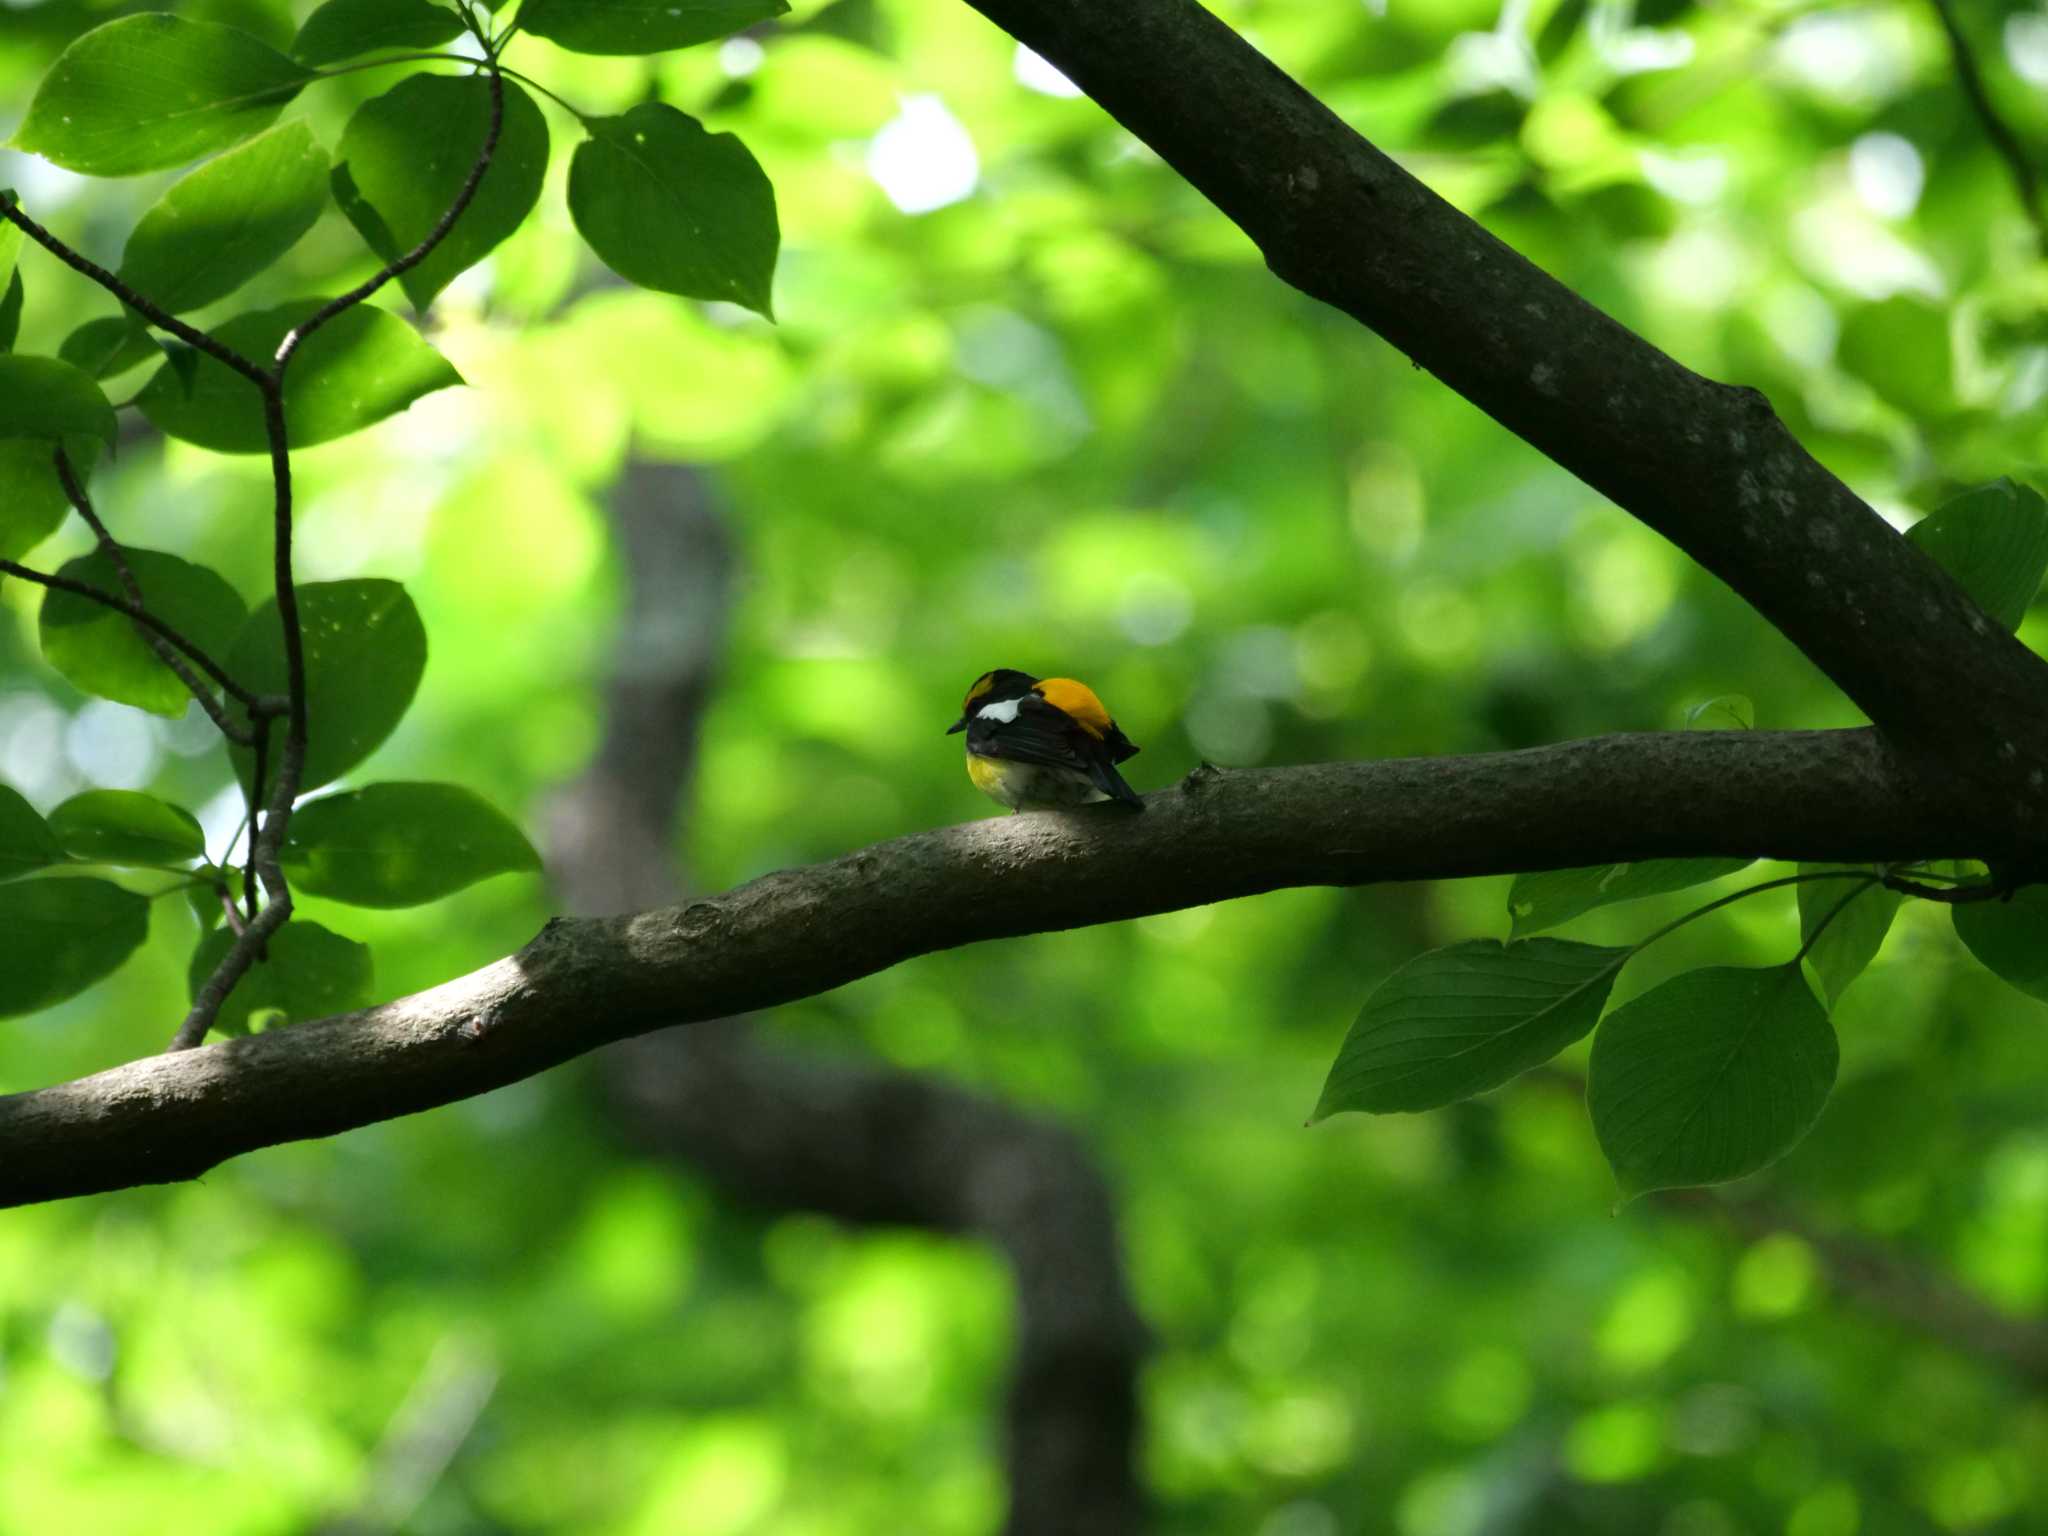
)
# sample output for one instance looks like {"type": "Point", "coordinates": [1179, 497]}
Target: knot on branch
{"type": "Point", "coordinates": [1201, 778]}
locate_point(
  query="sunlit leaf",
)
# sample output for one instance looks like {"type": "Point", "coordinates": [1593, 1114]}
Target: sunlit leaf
{"type": "Point", "coordinates": [360, 367]}
{"type": "Point", "coordinates": [62, 936]}
{"type": "Point", "coordinates": [405, 157]}
{"type": "Point", "coordinates": [98, 650]}
{"type": "Point", "coordinates": [641, 26]}
{"type": "Point", "coordinates": [1540, 901]}
{"type": "Point", "coordinates": [107, 346]}
{"type": "Point", "coordinates": [1994, 541]}
{"type": "Point", "coordinates": [310, 972]}
{"type": "Point", "coordinates": [1854, 931]}
{"type": "Point", "coordinates": [1901, 348]}
{"type": "Point", "coordinates": [1458, 1021]}
{"type": "Point", "coordinates": [125, 826]}
{"type": "Point", "coordinates": [397, 845]}
{"type": "Point", "coordinates": [345, 29]}
{"type": "Point", "coordinates": [26, 841]}
{"type": "Point", "coordinates": [228, 220]}
{"type": "Point", "coordinates": [2010, 937]}
{"type": "Point", "coordinates": [152, 91]}
{"type": "Point", "coordinates": [674, 208]}
{"type": "Point", "coordinates": [1709, 1077]}
{"type": "Point", "coordinates": [365, 650]}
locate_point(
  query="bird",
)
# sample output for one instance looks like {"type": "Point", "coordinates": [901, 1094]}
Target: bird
{"type": "Point", "coordinates": [1042, 744]}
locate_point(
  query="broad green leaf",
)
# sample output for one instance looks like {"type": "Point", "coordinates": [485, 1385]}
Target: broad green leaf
{"type": "Point", "coordinates": [1709, 1077]}
{"type": "Point", "coordinates": [344, 29]}
{"type": "Point", "coordinates": [98, 650]}
{"type": "Point", "coordinates": [365, 651]}
{"type": "Point", "coordinates": [641, 26]}
{"type": "Point", "coordinates": [360, 367]}
{"type": "Point", "coordinates": [397, 845]}
{"type": "Point", "coordinates": [1900, 347]}
{"type": "Point", "coordinates": [671, 207]}
{"type": "Point", "coordinates": [1458, 1021]}
{"type": "Point", "coordinates": [1853, 934]}
{"type": "Point", "coordinates": [107, 346]}
{"type": "Point", "coordinates": [32, 501]}
{"type": "Point", "coordinates": [227, 221]}
{"type": "Point", "coordinates": [26, 841]}
{"type": "Point", "coordinates": [151, 91]}
{"type": "Point", "coordinates": [43, 398]}
{"type": "Point", "coordinates": [10, 310]}
{"type": "Point", "coordinates": [125, 826]}
{"type": "Point", "coordinates": [1536, 902]}
{"type": "Point", "coordinates": [1994, 541]}
{"type": "Point", "coordinates": [310, 973]}
{"type": "Point", "coordinates": [405, 157]}
{"type": "Point", "coordinates": [1727, 711]}
{"type": "Point", "coordinates": [62, 936]}
{"type": "Point", "coordinates": [2010, 937]}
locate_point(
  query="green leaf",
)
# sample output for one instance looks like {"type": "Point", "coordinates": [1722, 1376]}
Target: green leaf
{"type": "Point", "coordinates": [1850, 941]}
{"type": "Point", "coordinates": [26, 841]}
{"type": "Point", "coordinates": [62, 936]}
{"type": "Point", "coordinates": [363, 365]}
{"type": "Point", "coordinates": [343, 29]}
{"type": "Point", "coordinates": [405, 157]}
{"type": "Point", "coordinates": [124, 826]}
{"type": "Point", "coordinates": [227, 221]}
{"type": "Point", "coordinates": [43, 398]}
{"type": "Point", "coordinates": [204, 900]}
{"type": "Point", "coordinates": [671, 207]}
{"type": "Point", "coordinates": [641, 26]}
{"type": "Point", "coordinates": [1709, 1077]}
{"type": "Point", "coordinates": [32, 501]}
{"type": "Point", "coordinates": [1994, 541]}
{"type": "Point", "coordinates": [10, 310]}
{"type": "Point", "coordinates": [98, 650]}
{"type": "Point", "coordinates": [310, 974]}
{"type": "Point", "coordinates": [1536, 902]}
{"type": "Point", "coordinates": [397, 845]}
{"type": "Point", "coordinates": [107, 346]}
{"type": "Point", "coordinates": [1900, 347]}
{"type": "Point", "coordinates": [365, 651]}
{"type": "Point", "coordinates": [2010, 938]}
{"type": "Point", "coordinates": [1726, 711]}
{"type": "Point", "coordinates": [1458, 1021]}
{"type": "Point", "coordinates": [151, 91]}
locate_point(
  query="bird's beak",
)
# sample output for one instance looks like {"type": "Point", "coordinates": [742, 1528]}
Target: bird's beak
{"type": "Point", "coordinates": [957, 726]}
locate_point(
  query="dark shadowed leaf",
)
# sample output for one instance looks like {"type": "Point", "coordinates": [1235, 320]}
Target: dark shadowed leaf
{"type": "Point", "coordinates": [405, 157]}
{"type": "Point", "coordinates": [229, 220]}
{"type": "Point", "coordinates": [107, 346]}
{"type": "Point", "coordinates": [26, 841]}
{"type": "Point", "coordinates": [43, 398]}
{"type": "Point", "coordinates": [1853, 934]}
{"type": "Point", "coordinates": [124, 826]}
{"type": "Point", "coordinates": [310, 973]}
{"type": "Point", "coordinates": [2010, 938]}
{"type": "Point", "coordinates": [1458, 1021]}
{"type": "Point", "coordinates": [98, 649]}
{"type": "Point", "coordinates": [152, 91]}
{"type": "Point", "coordinates": [344, 29]}
{"type": "Point", "coordinates": [1536, 902]}
{"type": "Point", "coordinates": [10, 280]}
{"type": "Point", "coordinates": [360, 367]}
{"type": "Point", "coordinates": [641, 26]}
{"type": "Point", "coordinates": [397, 845]}
{"type": "Point", "coordinates": [1994, 541]}
{"type": "Point", "coordinates": [1709, 1077]}
{"type": "Point", "coordinates": [62, 936]}
{"type": "Point", "coordinates": [365, 651]}
{"type": "Point", "coordinates": [32, 501]}
{"type": "Point", "coordinates": [674, 208]}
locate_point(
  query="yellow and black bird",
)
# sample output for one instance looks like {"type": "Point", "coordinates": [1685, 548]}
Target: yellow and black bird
{"type": "Point", "coordinates": [1042, 744]}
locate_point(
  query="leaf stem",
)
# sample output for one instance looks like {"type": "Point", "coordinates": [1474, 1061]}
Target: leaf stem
{"type": "Point", "coordinates": [1833, 912]}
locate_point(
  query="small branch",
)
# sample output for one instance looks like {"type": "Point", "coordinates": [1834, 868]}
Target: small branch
{"type": "Point", "coordinates": [162, 319]}
{"type": "Point", "coordinates": [165, 651]}
{"type": "Point", "coordinates": [1956, 896]}
{"type": "Point", "coordinates": [2025, 180]}
{"type": "Point", "coordinates": [253, 792]}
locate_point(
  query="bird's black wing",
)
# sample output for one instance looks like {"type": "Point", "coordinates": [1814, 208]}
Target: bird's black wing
{"type": "Point", "coordinates": [1047, 735]}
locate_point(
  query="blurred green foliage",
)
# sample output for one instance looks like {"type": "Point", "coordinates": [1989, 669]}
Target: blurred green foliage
{"type": "Point", "coordinates": [1057, 416]}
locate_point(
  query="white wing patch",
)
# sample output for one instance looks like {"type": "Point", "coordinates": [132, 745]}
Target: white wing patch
{"type": "Point", "coordinates": [1002, 712]}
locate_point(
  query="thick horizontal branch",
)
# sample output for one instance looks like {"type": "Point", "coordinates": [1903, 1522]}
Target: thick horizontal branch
{"type": "Point", "coordinates": [1820, 795]}
{"type": "Point", "coordinates": [1708, 466]}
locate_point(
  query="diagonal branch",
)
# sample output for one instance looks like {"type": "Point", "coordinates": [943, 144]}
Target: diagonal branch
{"type": "Point", "coordinates": [1708, 466]}
{"type": "Point", "coordinates": [1817, 795]}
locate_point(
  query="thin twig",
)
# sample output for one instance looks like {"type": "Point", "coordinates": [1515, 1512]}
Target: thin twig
{"type": "Point", "coordinates": [254, 792]}
{"type": "Point", "coordinates": [162, 319]}
{"type": "Point", "coordinates": [1958, 896]}
{"type": "Point", "coordinates": [165, 651]}
{"type": "Point", "coordinates": [2026, 180]}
